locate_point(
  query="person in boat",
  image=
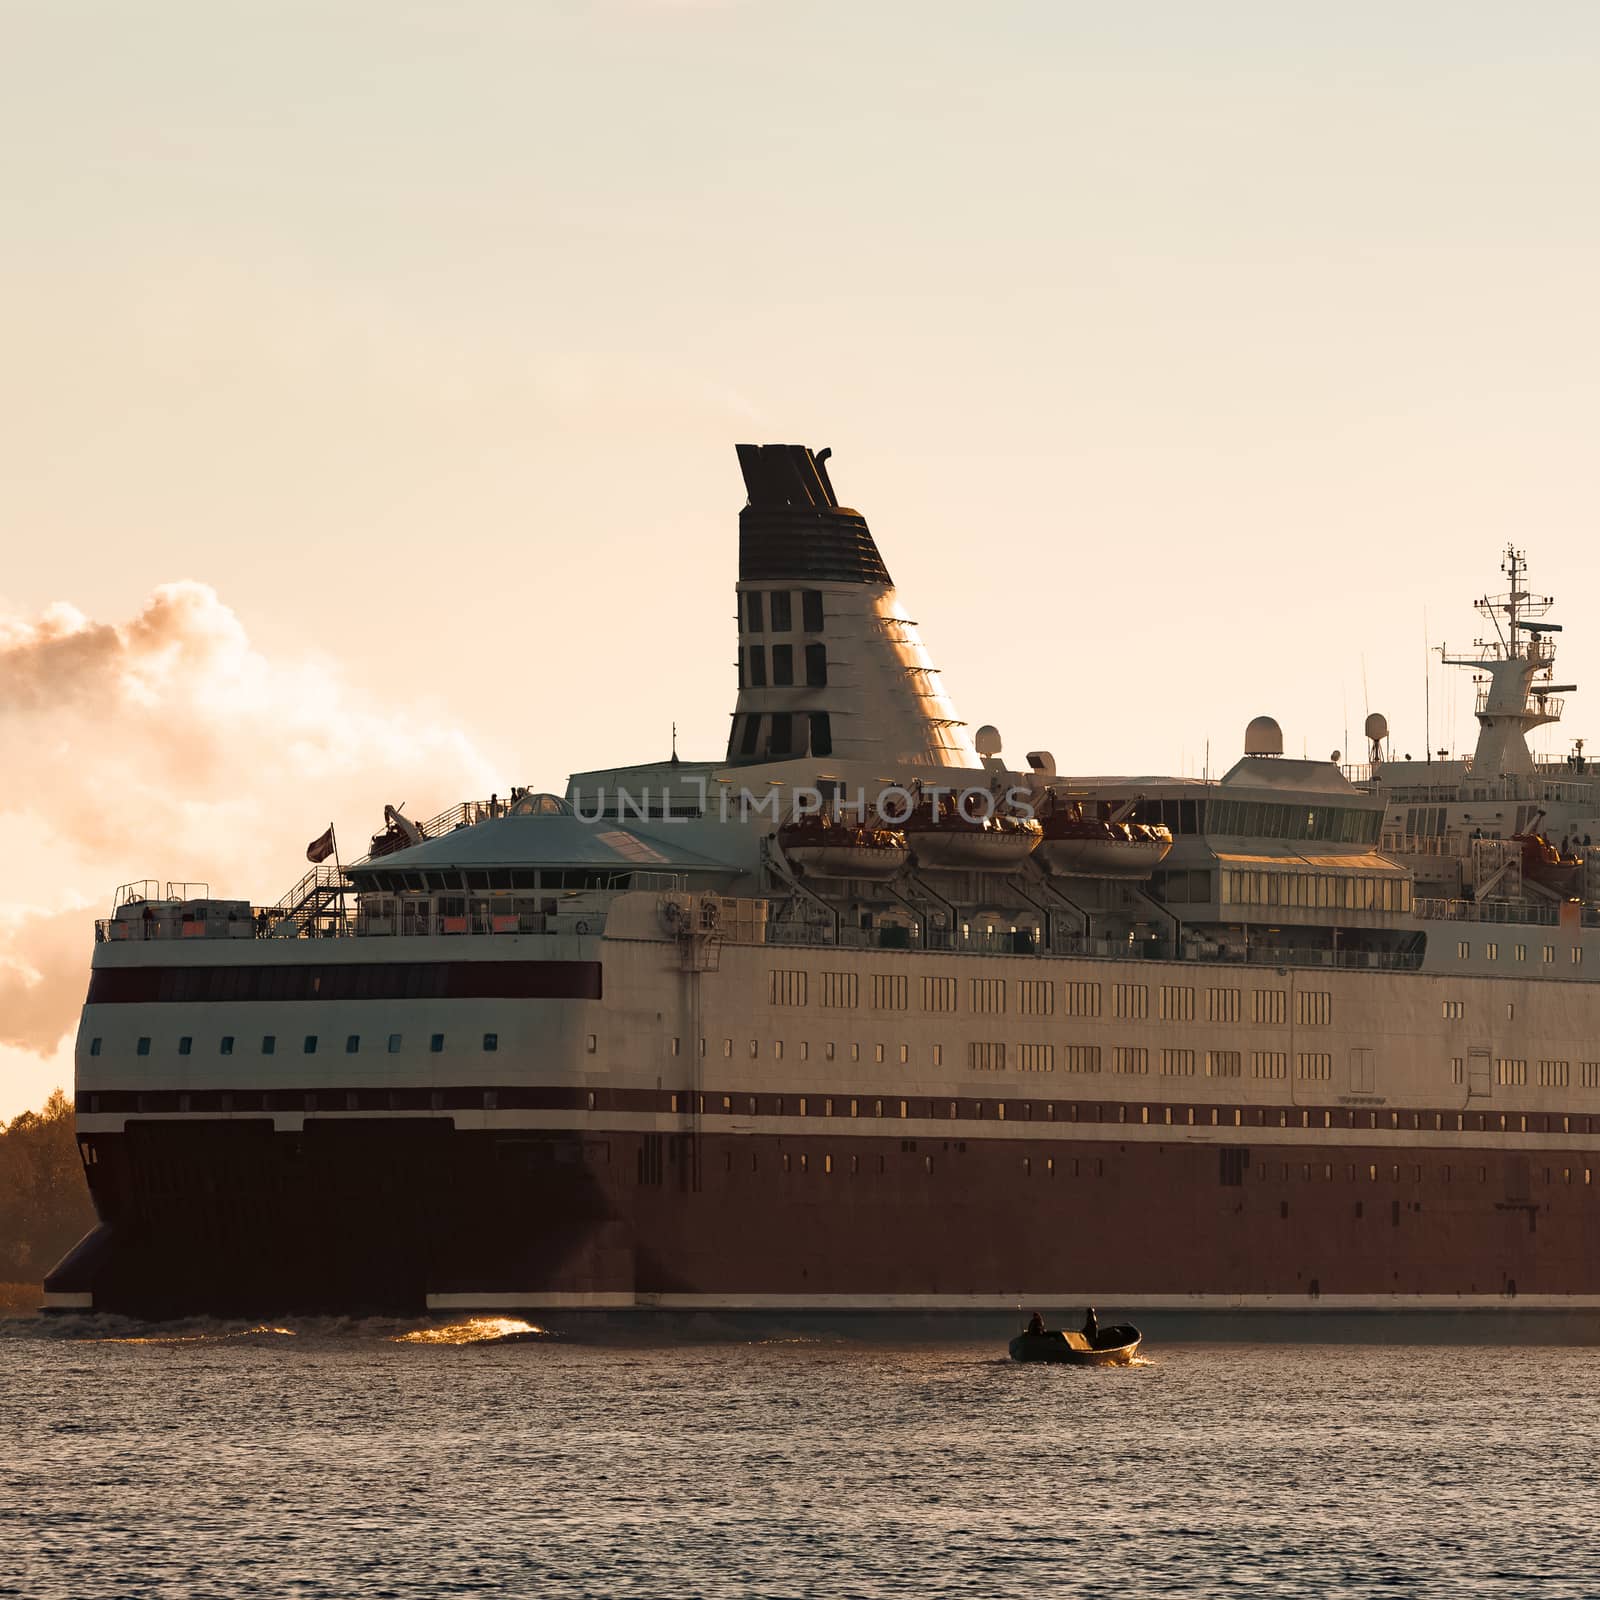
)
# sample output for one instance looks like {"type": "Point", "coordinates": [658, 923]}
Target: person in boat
{"type": "Point", "coordinates": [1035, 1323]}
{"type": "Point", "coordinates": [1091, 1325]}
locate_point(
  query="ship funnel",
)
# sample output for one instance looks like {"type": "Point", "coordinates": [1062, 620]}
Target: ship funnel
{"type": "Point", "coordinates": [830, 665]}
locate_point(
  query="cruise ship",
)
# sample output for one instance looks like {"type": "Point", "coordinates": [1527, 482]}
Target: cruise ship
{"type": "Point", "coordinates": [866, 1017]}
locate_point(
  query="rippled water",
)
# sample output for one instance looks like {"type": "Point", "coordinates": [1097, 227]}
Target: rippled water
{"type": "Point", "coordinates": [326, 1460]}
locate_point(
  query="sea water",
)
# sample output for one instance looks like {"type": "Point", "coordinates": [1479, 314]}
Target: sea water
{"type": "Point", "coordinates": [320, 1459]}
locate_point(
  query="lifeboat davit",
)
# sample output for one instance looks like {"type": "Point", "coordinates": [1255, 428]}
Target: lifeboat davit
{"type": "Point", "coordinates": [1076, 846]}
{"type": "Point", "coordinates": [827, 847]}
{"type": "Point", "coordinates": [948, 837]}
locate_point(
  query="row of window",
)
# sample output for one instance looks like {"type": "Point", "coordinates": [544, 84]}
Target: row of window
{"type": "Point", "coordinates": [1094, 1166]}
{"type": "Point", "coordinates": [991, 1056]}
{"type": "Point", "coordinates": [530, 879]}
{"type": "Point", "coordinates": [1262, 819]}
{"type": "Point", "coordinates": [1345, 891]}
{"type": "Point", "coordinates": [1162, 1115]}
{"type": "Point", "coordinates": [772, 611]}
{"type": "Point", "coordinates": [309, 1044]}
{"type": "Point", "coordinates": [804, 1162]}
{"type": "Point", "coordinates": [1407, 1172]}
{"type": "Point", "coordinates": [1519, 952]}
{"type": "Point", "coordinates": [786, 734]}
{"type": "Point", "coordinates": [1513, 1072]}
{"type": "Point", "coordinates": [753, 666]}
{"type": "Point", "coordinates": [1037, 997]}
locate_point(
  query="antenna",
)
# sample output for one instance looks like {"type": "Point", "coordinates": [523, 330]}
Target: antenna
{"type": "Point", "coordinates": [1427, 693]}
{"type": "Point", "coordinates": [675, 744]}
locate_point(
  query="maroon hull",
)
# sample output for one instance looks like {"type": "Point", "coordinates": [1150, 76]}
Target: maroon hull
{"type": "Point", "coordinates": [390, 1212]}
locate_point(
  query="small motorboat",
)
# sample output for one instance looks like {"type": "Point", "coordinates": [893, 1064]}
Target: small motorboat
{"type": "Point", "coordinates": [1112, 1347]}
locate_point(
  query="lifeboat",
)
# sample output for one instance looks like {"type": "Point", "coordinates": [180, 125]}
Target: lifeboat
{"type": "Point", "coordinates": [946, 837]}
{"type": "Point", "coordinates": [827, 847]}
{"type": "Point", "coordinates": [1545, 864]}
{"type": "Point", "coordinates": [1076, 846]}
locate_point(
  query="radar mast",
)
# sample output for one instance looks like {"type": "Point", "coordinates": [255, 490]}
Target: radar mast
{"type": "Point", "coordinates": [1513, 671]}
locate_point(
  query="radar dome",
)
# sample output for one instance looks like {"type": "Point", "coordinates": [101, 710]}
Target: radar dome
{"type": "Point", "coordinates": [1263, 737]}
{"type": "Point", "coordinates": [987, 740]}
{"type": "Point", "coordinates": [1376, 726]}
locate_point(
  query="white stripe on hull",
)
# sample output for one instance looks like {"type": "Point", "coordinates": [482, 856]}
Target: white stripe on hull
{"type": "Point", "coordinates": [533, 1300]}
{"type": "Point", "coordinates": [598, 1122]}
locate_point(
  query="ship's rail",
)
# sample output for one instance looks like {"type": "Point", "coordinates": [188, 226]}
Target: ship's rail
{"type": "Point", "coordinates": [465, 814]}
{"type": "Point", "coordinates": [1419, 844]}
{"type": "Point", "coordinates": [1513, 786]}
{"type": "Point", "coordinates": [1499, 911]}
{"type": "Point", "coordinates": [1022, 943]}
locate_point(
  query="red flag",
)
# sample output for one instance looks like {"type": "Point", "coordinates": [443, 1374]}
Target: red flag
{"type": "Point", "coordinates": [320, 849]}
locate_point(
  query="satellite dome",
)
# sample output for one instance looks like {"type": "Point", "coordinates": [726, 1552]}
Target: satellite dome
{"type": "Point", "coordinates": [987, 740]}
{"type": "Point", "coordinates": [1263, 737]}
{"type": "Point", "coordinates": [1377, 726]}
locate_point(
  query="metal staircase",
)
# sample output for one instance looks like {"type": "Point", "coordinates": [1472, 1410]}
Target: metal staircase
{"type": "Point", "coordinates": [314, 906]}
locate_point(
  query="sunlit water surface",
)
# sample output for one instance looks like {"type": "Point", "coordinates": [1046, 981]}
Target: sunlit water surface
{"type": "Point", "coordinates": [340, 1460]}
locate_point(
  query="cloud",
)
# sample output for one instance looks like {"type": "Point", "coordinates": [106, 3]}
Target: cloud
{"type": "Point", "coordinates": [169, 746]}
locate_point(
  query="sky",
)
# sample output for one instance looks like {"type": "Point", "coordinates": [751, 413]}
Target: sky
{"type": "Point", "coordinates": [370, 375]}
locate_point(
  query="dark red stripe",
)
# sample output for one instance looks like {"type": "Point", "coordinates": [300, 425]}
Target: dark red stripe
{"type": "Point", "coordinates": [355, 980]}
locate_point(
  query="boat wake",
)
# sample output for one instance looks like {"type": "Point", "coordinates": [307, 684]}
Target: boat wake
{"type": "Point", "coordinates": [475, 1330]}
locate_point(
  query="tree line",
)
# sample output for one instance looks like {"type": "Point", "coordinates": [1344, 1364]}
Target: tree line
{"type": "Point", "coordinates": [44, 1202]}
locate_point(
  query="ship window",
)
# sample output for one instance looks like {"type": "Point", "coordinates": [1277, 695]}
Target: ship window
{"type": "Point", "coordinates": [1549, 952]}
{"type": "Point", "coordinates": [782, 616]}
{"type": "Point", "coordinates": [226, 1046]}
{"type": "Point", "coordinates": [1463, 950]}
{"type": "Point", "coordinates": [352, 1044]}
{"type": "Point", "coordinates": [811, 610]}
{"type": "Point", "coordinates": [780, 739]}
{"type": "Point", "coordinates": [752, 611]}
{"type": "Point", "coordinates": [143, 1047]}
{"type": "Point", "coordinates": [816, 665]}
{"type": "Point", "coordinates": [185, 1045]}
{"type": "Point", "coordinates": [591, 1043]}
{"type": "Point", "coordinates": [491, 1041]}
{"type": "Point", "coordinates": [758, 666]}
{"type": "Point", "coordinates": [310, 1045]}
{"type": "Point", "coordinates": [94, 1047]}
{"type": "Point", "coordinates": [821, 734]}
{"type": "Point", "coordinates": [783, 665]}
{"type": "Point", "coordinates": [1577, 955]}
{"type": "Point", "coordinates": [752, 736]}
{"type": "Point", "coordinates": [269, 1044]}
{"type": "Point", "coordinates": [436, 1044]}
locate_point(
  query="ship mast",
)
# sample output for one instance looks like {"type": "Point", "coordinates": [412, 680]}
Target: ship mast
{"type": "Point", "coordinates": [1513, 671]}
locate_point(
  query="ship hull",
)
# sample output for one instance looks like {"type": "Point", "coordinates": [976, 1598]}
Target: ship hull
{"type": "Point", "coordinates": [410, 1215]}
{"type": "Point", "coordinates": [534, 1128]}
